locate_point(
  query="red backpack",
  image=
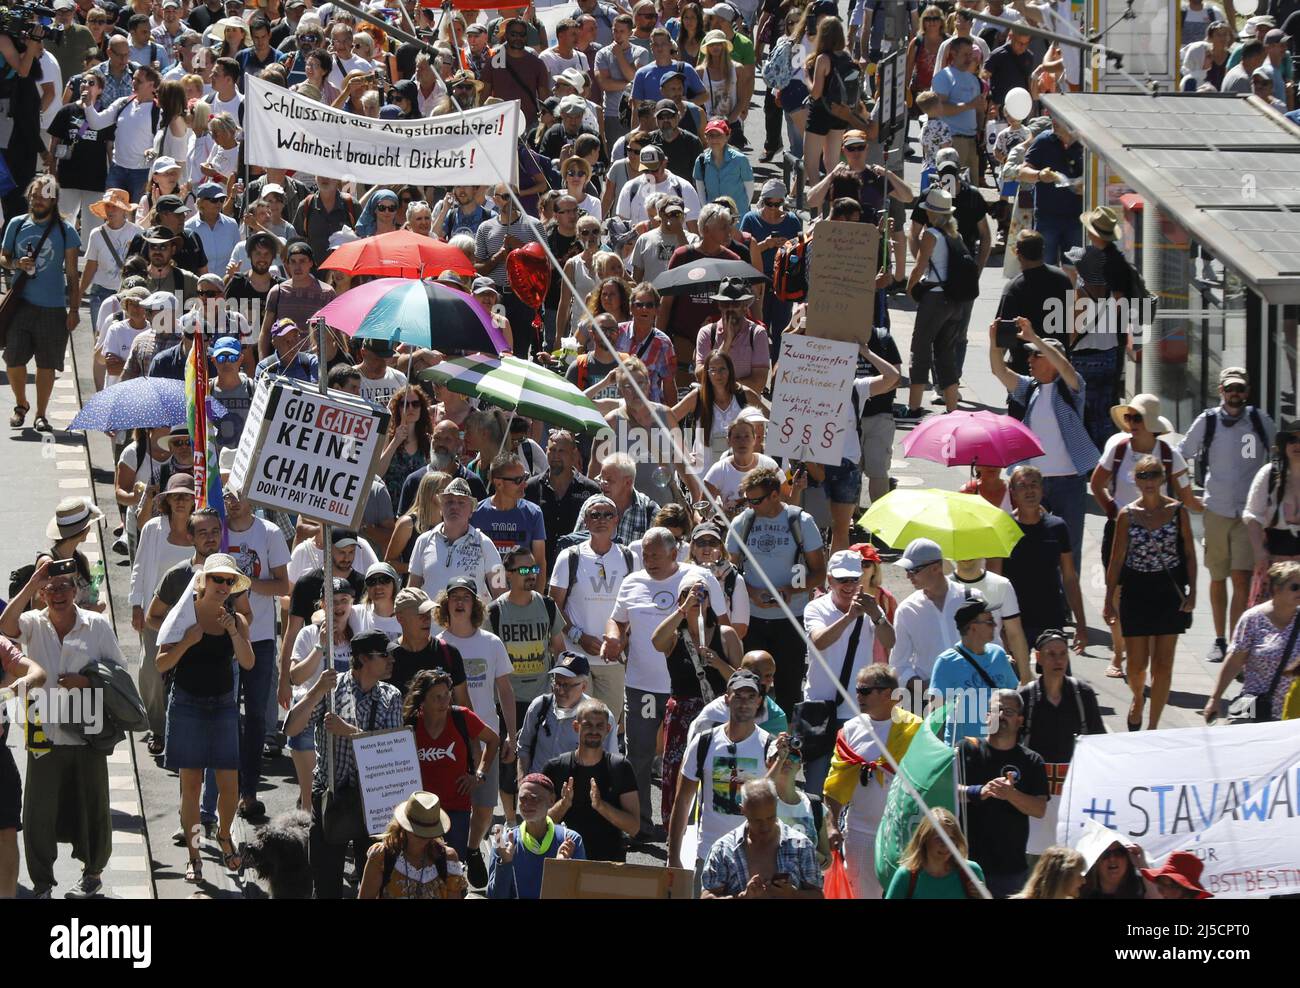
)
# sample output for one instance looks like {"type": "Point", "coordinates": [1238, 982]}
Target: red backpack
{"type": "Point", "coordinates": [790, 269]}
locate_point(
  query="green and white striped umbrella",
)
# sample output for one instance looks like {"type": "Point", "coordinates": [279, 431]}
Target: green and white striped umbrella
{"type": "Point", "coordinates": [520, 386]}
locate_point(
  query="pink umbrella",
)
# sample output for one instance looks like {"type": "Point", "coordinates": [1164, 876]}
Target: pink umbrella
{"type": "Point", "coordinates": [962, 438]}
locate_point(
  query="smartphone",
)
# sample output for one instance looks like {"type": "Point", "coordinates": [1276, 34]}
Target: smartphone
{"type": "Point", "coordinates": [781, 876]}
{"type": "Point", "coordinates": [62, 567]}
{"type": "Point", "coordinates": [1008, 332]}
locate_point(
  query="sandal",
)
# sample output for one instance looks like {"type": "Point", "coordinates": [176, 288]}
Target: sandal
{"type": "Point", "coordinates": [231, 859]}
{"type": "Point", "coordinates": [42, 424]}
{"type": "Point", "coordinates": [194, 871]}
{"type": "Point", "coordinates": [1115, 672]}
{"type": "Point", "coordinates": [155, 745]}
{"type": "Point", "coordinates": [19, 416]}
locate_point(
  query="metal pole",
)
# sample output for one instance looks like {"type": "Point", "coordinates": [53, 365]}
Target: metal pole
{"type": "Point", "coordinates": [327, 567]}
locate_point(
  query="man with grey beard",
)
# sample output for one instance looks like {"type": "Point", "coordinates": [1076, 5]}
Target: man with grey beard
{"type": "Point", "coordinates": [447, 443]}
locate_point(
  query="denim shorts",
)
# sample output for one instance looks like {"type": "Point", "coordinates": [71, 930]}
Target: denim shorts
{"type": "Point", "coordinates": [793, 95]}
{"type": "Point", "coordinates": [202, 731]}
{"type": "Point", "coordinates": [304, 740]}
{"type": "Point", "coordinates": [843, 484]}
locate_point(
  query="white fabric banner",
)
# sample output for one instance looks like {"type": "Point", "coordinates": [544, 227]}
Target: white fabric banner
{"type": "Point", "coordinates": [1230, 795]}
{"type": "Point", "coordinates": [285, 130]}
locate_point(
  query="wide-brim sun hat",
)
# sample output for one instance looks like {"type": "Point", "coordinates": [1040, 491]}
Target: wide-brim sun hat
{"type": "Point", "coordinates": [1146, 405]}
{"type": "Point", "coordinates": [422, 815]}
{"type": "Point", "coordinates": [72, 517]}
{"type": "Point", "coordinates": [223, 564]}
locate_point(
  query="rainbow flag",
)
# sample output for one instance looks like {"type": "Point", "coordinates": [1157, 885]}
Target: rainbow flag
{"type": "Point", "coordinates": [198, 406]}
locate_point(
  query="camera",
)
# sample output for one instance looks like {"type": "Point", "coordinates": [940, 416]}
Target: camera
{"type": "Point", "coordinates": [796, 744]}
{"type": "Point", "coordinates": [18, 22]}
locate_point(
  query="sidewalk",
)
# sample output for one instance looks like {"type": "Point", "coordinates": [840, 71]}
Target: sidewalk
{"type": "Point", "coordinates": [49, 468]}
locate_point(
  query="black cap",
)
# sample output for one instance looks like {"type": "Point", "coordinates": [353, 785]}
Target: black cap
{"type": "Point", "coordinates": [342, 538]}
{"type": "Point", "coordinates": [369, 642]}
{"type": "Point", "coordinates": [169, 204]}
{"type": "Point", "coordinates": [462, 583]}
{"type": "Point", "coordinates": [341, 585]}
{"type": "Point", "coordinates": [572, 664]}
{"type": "Point", "coordinates": [969, 611]}
{"type": "Point", "coordinates": [300, 247]}
{"type": "Point", "coordinates": [380, 348]}
{"type": "Point", "coordinates": [261, 239]}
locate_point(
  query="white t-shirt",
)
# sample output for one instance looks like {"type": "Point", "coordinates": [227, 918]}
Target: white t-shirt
{"type": "Point", "coordinates": [632, 197]}
{"type": "Point", "coordinates": [591, 601]}
{"type": "Point", "coordinates": [922, 631]}
{"type": "Point", "coordinates": [258, 551]}
{"type": "Point", "coordinates": [823, 685]}
{"type": "Point", "coordinates": [342, 66]}
{"type": "Point", "coordinates": [652, 251]}
{"type": "Point", "coordinates": [868, 803]}
{"type": "Point", "coordinates": [436, 560]}
{"type": "Point", "coordinates": [726, 769]}
{"type": "Point", "coordinates": [231, 106]}
{"type": "Point", "coordinates": [381, 389]}
{"type": "Point", "coordinates": [309, 637]}
{"type": "Point", "coordinates": [1125, 485]}
{"type": "Point", "coordinates": [644, 602]}
{"type": "Point", "coordinates": [1001, 596]}
{"type": "Point", "coordinates": [51, 74]}
{"type": "Point", "coordinates": [117, 339]}
{"type": "Point", "coordinates": [556, 63]}
{"type": "Point", "coordinates": [486, 661]}
{"type": "Point", "coordinates": [365, 619]}
{"type": "Point", "coordinates": [108, 273]}
{"type": "Point", "coordinates": [307, 556]}
{"type": "Point", "coordinates": [726, 478]}
{"type": "Point", "coordinates": [1055, 461]}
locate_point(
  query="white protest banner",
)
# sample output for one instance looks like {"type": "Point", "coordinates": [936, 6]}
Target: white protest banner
{"type": "Point", "coordinates": [1229, 795]}
{"type": "Point", "coordinates": [284, 129]}
{"type": "Point", "coordinates": [388, 771]}
{"type": "Point", "coordinates": [307, 452]}
{"type": "Point", "coordinates": [809, 397]}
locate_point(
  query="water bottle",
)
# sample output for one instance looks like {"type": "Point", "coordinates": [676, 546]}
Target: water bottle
{"type": "Point", "coordinates": [96, 580]}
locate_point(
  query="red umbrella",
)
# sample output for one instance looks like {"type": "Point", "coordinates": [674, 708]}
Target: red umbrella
{"type": "Point", "coordinates": [400, 254]}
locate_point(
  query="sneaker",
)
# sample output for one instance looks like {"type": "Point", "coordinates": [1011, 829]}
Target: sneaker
{"type": "Point", "coordinates": [1218, 651]}
{"type": "Point", "coordinates": [43, 892]}
{"type": "Point", "coordinates": [87, 887]}
{"type": "Point", "coordinates": [912, 414]}
{"type": "Point", "coordinates": [251, 809]}
{"type": "Point", "coordinates": [477, 869]}
{"type": "Point", "coordinates": [120, 547]}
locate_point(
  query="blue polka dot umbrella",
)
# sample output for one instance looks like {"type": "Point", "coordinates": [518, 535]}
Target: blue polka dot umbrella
{"type": "Point", "coordinates": [140, 403]}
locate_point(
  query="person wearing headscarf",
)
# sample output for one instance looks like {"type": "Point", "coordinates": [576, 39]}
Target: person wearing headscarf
{"type": "Point", "coordinates": [368, 221]}
{"type": "Point", "coordinates": [1195, 64]}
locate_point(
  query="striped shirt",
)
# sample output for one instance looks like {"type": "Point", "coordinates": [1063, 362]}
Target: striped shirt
{"type": "Point", "coordinates": [1069, 416]}
{"type": "Point", "coordinates": [491, 237]}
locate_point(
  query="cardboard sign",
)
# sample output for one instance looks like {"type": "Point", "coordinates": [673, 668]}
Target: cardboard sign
{"type": "Point", "coordinates": [610, 880]}
{"type": "Point", "coordinates": [388, 771]}
{"type": "Point", "coordinates": [291, 131]}
{"type": "Point", "coordinates": [309, 453]}
{"type": "Point", "coordinates": [842, 281]}
{"type": "Point", "coordinates": [809, 399]}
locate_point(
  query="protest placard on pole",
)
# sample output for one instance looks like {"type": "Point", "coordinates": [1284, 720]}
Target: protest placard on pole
{"type": "Point", "coordinates": [388, 771]}
{"type": "Point", "coordinates": [309, 453]}
{"type": "Point", "coordinates": [809, 398]}
{"type": "Point", "coordinates": [286, 130]}
{"type": "Point", "coordinates": [1227, 794]}
{"type": "Point", "coordinates": [842, 281]}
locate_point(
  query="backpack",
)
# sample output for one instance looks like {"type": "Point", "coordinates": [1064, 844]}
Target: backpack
{"type": "Point", "coordinates": [792, 516]}
{"type": "Point", "coordinates": [778, 70]}
{"type": "Point", "coordinates": [494, 615]}
{"type": "Point", "coordinates": [706, 745]}
{"type": "Point", "coordinates": [548, 700]}
{"type": "Point", "coordinates": [1166, 461]}
{"type": "Point", "coordinates": [790, 269]}
{"type": "Point", "coordinates": [573, 567]}
{"type": "Point", "coordinates": [1211, 424]}
{"type": "Point", "coordinates": [583, 363]}
{"type": "Point", "coordinates": [713, 336]}
{"type": "Point", "coordinates": [1017, 410]}
{"type": "Point", "coordinates": [963, 281]}
{"type": "Point", "coordinates": [1036, 694]}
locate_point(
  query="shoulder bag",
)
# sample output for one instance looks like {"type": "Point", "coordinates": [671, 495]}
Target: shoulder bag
{"type": "Point", "coordinates": [812, 720]}
{"type": "Point", "coordinates": [342, 815]}
{"type": "Point", "coordinates": [9, 301]}
{"type": "Point", "coordinates": [1248, 708]}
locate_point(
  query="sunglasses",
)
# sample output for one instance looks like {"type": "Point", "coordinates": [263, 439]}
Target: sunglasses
{"type": "Point", "coordinates": [374, 581]}
{"type": "Point", "coordinates": [754, 502]}
{"type": "Point", "coordinates": [222, 581]}
{"type": "Point", "coordinates": [313, 38]}
{"type": "Point", "coordinates": [527, 570]}
{"type": "Point", "coordinates": [868, 690]}
{"type": "Point", "coordinates": [211, 294]}
{"type": "Point", "coordinates": [1149, 474]}
{"type": "Point", "coordinates": [643, 304]}
{"type": "Point", "coordinates": [392, 208]}
{"type": "Point", "coordinates": [1132, 417]}
{"type": "Point", "coordinates": [513, 480]}
{"type": "Point", "coordinates": [1235, 389]}
{"type": "Point", "coordinates": [774, 203]}
{"type": "Point", "coordinates": [227, 358]}
{"type": "Point", "coordinates": [575, 173]}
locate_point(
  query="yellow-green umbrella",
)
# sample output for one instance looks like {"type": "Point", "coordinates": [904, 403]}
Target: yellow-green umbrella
{"type": "Point", "coordinates": [964, 525]}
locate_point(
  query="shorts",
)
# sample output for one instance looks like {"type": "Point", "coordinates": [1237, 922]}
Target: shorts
{"type": "Point", "coordinates": [877, 444]}
{"type": "Point", "coordinates": [486, 794]}
{"type": "Point", "coordinates": [304, 740]}
{"type": "Point", "coordinates": [793, 95]}
{"type": "Point", "coordinates": [821, 121]}
{"type": "Point", "coordinates": [202, 732]}
{"type": "Point", "coordinates": [36, 331]}
{"type": "Point", "coordinates": [11, 791]}
{"type": "Point", "coordinates": [843, 484]}
{"type": "Point", "coordinates": [1227, 546]}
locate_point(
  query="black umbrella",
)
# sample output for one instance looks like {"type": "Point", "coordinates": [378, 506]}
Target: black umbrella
{"type": "Point", "coordinates": [705, 273]}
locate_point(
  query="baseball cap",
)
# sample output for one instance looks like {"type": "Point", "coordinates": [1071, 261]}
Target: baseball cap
{"type": "Point", "coordinates": [282, 326]}
{"type": "Point", "coordinates": [476, 28]}
{"type": "Point", "coordinates": [724, 10]}
{"type": "Point", "coordinates": [459, 487]}
{"type": "Point", "coordinates": [671, 204]}
{"type": "Point", "coordinates": [665, 106]}
{"type": "Point", "coordinates": [651, 158]}
{"type": "Point", "coordinates": [301, 247]}
{"type": "Point", "coordinates": [969, 611]}
{"type": "Point", "coordinates": [669, 76]}
{"type": "Point", "coordinates": [598, 501]}
{"type": "Point", "coordinates": [1038, 347]}
{"type": "Point", "coordinates": [343, 538]}
{"type": "Point", "coordinates": [743, 679]}
{"type": "Point", "coordinates": [63, 4]}
{"type": "Point", "coordinates": [571, 665]}
{"type": "Point", "coordinates": [853, 137]}
{"type": "Point", "coordinates": [210, 281]}
{"type": "Point", "coordinates": [339, 585]}
{"type": "Point", "coordinates": [383, 569]}
{"type": "Point", "coordinates": [171, 204]}
{"type": "Point", "coordinates": [774, 188]}
{"type": "Point", "coordinates": [845, 563]}
{"type": "Point", "coordinates": [572, 105]}
{"type": "Point", "coordinates": [920, 552]}
{"type": "Point", "coordinates": [1234, 375]}
{"type": "Point", "coordinates": [715, 126]}
{"type": "Point", "coordinates": [1274, 37]}
{"type": "Point", "coordinates": [706, 530]}
{"type": "Point", "coordinates": [165, 164]}
{"type": "Point", "coordinates": [369, 642]}
{"type": "Point", "coordinates": [413, 597]}
{"type": "Point", "coordinates": [157, 301]}
{"type": "Point", "coordinates": [462, 583]}
{"type": "Point", "coordinates": [484, 284]}
{"type": "Point", "coordinates": [227, 345]}
{"type": "Point", "coordinates": [210, 191]}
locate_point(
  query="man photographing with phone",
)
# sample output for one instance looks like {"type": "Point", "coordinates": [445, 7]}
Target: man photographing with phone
{"type": "Point", "coordinates": [1039, 289]}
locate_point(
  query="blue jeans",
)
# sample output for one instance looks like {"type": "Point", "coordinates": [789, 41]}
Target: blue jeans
{"type": "Point", "coordinates": [815, 770]}
{"type": "Point", "coordinates": [256, 685]}
{"type": "Point", "coordinates": [131, 179]}
{"type": "Point", "coordinates": [1060, 233]}
{"type": "Point", "coordinates": [96, 297]}
{"type": "Point", "coordinates": [1064, 495]}
{"type": "Point", "coordinates": [1100, 370]}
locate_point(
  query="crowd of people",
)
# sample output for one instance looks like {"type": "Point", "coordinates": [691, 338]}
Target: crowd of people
{"type": "Point", "coordinates": [662, 605]}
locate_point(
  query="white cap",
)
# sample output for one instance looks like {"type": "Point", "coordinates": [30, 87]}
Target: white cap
{"type": "Point", "coordinates": [845, 563]}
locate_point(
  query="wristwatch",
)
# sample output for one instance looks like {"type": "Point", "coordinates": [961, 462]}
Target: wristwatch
{"type": "Point", "coordinates": [878, 621]}
{"type": "Point", "coordinates": [480, 775]}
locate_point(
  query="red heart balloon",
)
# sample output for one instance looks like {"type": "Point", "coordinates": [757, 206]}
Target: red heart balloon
{"type": "Point", "coordinates": [529, 273]}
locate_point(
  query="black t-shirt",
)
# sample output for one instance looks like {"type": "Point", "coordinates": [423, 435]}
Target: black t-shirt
{"type": "Point", "coordinates": [969, 208]}
{"type": "Point", "coordinates": [203, 17]}
{"type": "Point", "coordinates": [561, 245]}
{"type": "Point", "coordinates": [614, 777]}
{"type": "Point", "coordinates": [883, 345]}
{"type": "Point", "coordinates": [86, 165]}
{"type": "Point", "coordinates": [1029, 294]}
{"type": "Point", "coordinates": [307, 592]}
{"type": "Point", "coordinates": [1052, 728]}
{"type": "Point", "coordinates": [1116, 272]}
{"type": "Point", "coordinates": [190, 256]}
{"type": "Point", "coordinates": [1034, 569]}
{"type": "Point", "coordinates": [998, 833]}
{"type": "Point", "coordinates": [435, 655]}
{"type": "Point", "coordinates": [207, 668]}
{"type": "Point", "coordinates": [684, 681]}
{"type": "Point", "coordinates": [239, 287]}
{"type": "Point", "coordinates": [1007, 71]}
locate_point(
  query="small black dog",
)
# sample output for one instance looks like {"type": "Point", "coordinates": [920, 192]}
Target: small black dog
{"type": "Point", "coordinates": [278, 852]}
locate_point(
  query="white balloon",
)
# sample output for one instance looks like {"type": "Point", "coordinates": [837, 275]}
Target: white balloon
{"type": "Point", "coordinates": [1018, 104]}
{"type": "Point", "coordinates": [1246, 7]}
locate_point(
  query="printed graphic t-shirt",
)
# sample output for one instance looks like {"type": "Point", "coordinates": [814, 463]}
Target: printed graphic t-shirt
{"type": "Point", "coordinates": [445, 759]}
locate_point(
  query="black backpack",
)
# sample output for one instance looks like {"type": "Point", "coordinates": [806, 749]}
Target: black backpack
{"type": "Point", "coordinates": [1211, 424]}
{"type": "Point", "coordinates": [573, 567]}
{"type": "Point", "coordinates": [963, 281]}
{"type": "Point", "coordinates": [494, 615]}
